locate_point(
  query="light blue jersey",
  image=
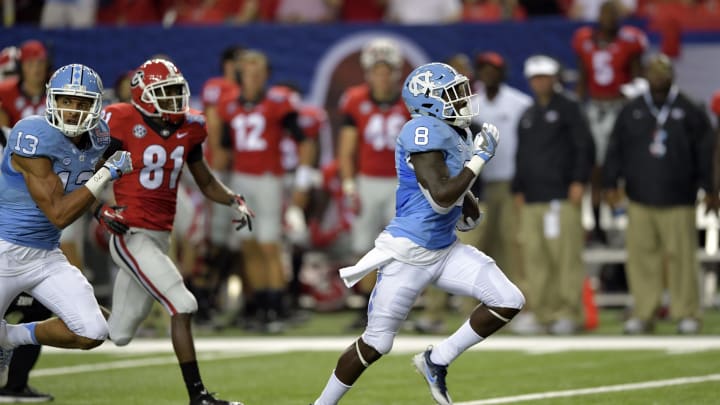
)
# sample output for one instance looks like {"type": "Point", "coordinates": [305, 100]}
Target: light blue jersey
{"type": "Point", "coordinates": [21, 221]}
{"type": "Point", "coordinates": [415, 218]}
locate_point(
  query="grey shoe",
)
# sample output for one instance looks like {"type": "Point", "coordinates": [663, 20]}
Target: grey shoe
{"type": "Point", "coordinates": [434, 376]}
{"type": "Point", "coordinates": [635, 326]}
{"type": "Point", "coordinates": [688, 326]}
{"type": "Point", "coordinates": [563, 327]}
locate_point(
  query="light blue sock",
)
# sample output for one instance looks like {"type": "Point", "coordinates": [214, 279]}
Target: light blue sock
{"type": "Point", "coordinates": [22, 334]}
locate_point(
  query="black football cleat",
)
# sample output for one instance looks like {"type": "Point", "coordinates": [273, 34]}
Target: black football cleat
{"type": "Point", "coordinates": [26, 395]}
{"type": "Point", "coordinates": [208, 398]}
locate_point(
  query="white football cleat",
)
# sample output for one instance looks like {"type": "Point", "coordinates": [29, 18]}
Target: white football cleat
{"type": "Point", "coordinates": [434, 376]}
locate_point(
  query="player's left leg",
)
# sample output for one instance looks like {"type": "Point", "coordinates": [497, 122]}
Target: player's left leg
{"type": "Point", "coordinates": [143, 254]}
{"type": "Point", "coordinates": [397, 287]}
{"type": "Point", "coordinates": [24, 357]}
{"type": "Point", "coordinates": [467, 271]}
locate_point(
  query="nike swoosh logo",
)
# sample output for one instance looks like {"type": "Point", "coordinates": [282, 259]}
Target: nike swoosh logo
{"type": "Point", "coordinates": [429, 375]}
{"type": "Point", "coordinates": [181, 134]}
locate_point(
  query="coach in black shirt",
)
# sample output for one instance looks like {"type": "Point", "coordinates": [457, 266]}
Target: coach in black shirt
{"type": "Point", "coordinates": [662, 146]}
{"type": "Point", "coordinates": [554, 157]}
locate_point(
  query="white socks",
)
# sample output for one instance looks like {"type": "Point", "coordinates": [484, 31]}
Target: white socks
{"type": "Point", "coordinates": [447, 350]}
{"type": "Point", "coordinates": [334, 390]}
{"type": "Point", "coordinates": [22, 334]}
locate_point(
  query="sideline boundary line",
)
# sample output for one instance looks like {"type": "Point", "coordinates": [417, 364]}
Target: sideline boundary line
{"type": "Point", "coordinates": [595, 390]}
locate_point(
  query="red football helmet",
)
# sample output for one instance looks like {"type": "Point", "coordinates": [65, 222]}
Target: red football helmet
{"type": "Point", "coordinates": [160, 90]}
{"type": "Point", "coordinates": [9, 58]}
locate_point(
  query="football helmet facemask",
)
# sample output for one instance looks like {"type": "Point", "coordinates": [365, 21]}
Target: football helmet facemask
{"type": "Point", "coordinates": [74, 81]}
{"type": "Point", "coordinates": [438, 90]}
{"type": "Point", "coordinates": [159, 90]}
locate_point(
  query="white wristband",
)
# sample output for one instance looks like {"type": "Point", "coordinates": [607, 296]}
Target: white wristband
{"type": "Point", "coordinates": [97, 182]}
{"type": "Point", "coordinates": [475, 164]}
{"type": "Point", "coordinates": [304, 177]}
{"type": "Point", "coordinates": [348, 187]}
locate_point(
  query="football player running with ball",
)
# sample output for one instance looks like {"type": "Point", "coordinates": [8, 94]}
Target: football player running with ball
{"type": "Point", "coordinates": [437, 161]}
{"type": "Point", "coordinates": [163, 135]}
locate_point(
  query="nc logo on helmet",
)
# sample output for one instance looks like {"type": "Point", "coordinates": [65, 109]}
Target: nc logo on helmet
{"type": "Point", "coordinates": [137, 78]}
{"type": "Point", "coordinates": [420, 83]}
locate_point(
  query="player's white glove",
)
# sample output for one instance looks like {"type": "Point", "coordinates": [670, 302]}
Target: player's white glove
{"type": "Point", "coordinates": [118, 164]}
{"type": "Point", "coordinates": [297, 229]}
{"type": "Point", "coordinates": [467, 223]}
{"type": "Point", "coordinates": [486, 142]}
{"type": "Point", "coordinates": [246, 214]}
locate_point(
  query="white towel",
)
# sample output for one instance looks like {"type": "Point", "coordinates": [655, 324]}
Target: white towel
{"type": "Point", "coordinates": [371, 261]}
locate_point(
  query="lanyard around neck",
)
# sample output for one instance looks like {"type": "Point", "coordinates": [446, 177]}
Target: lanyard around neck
{"type": "Point", "coordinates": [663, 113]}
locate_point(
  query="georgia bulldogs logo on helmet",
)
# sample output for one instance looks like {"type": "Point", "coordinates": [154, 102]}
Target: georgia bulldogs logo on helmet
{"type": "Point", "coordinates": [160, 90]}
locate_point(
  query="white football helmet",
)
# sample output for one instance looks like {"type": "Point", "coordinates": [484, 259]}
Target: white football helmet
{"type": "Point", "coordinates": [381, 50]}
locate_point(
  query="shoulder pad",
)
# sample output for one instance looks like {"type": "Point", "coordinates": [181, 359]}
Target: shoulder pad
{"type": "Point", "coordinates": [33, 136]}
{"type": "Point", "coordinates": [195, 118]}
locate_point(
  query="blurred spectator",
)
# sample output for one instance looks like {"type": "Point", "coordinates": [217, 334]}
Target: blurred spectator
{"type": "Point", "coordinates": [69, 14]}
{"type": "Point", "coordinates": [491, 10]}
{"type": "Point", "coordinates": [589, 10]}
{"type": "Point", "coordinates": [24, 95]}
{"type": "Point", "coordinates": [223, 256]}
{"type": "Point", "coordinates": [256, 120]}
{"type": "Point", "coordinates": [418, 12]}
{"type": "Point", "coordinates": [715, 108]}
{"type": "Point", "coordinates": [121, 89]}
{"type": "Point", "coordinates": [502, 106]}
{"type": "Point", "coordinates": [21, 12]}
{"type": "Point", "coordinates": [131, 12]}
{"type": "Point", "coordinates": [608, 57]}
{"type": "Point", "coordinates": [203, 12]}
{"type": "Point", "coordinates": [534, 8]}
{"type": "Point", "coordinates": [373, 114]}
{"type": "Point", "coordinates": [358, 11]}
{"type": "Point", "coordinates": [303, 11]}
{"type": "Point", "coordinates": [672, 18]}
{"type": "Point", "coordinates": [661, 146]}
{"type": "Point", "coordinates": [553, 163]}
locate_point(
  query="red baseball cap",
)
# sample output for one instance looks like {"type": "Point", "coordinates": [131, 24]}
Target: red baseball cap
{"type": "Point", "coordinates": [31, 50]}
{"type": "Point", "coordinates": [490, 58]}
{"type": "Point", "coordinates": [715, 104]}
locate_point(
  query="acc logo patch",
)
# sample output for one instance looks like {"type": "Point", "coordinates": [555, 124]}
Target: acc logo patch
{"type": "Point", "coordinates": [66, 161]}
{"type": "Point", "coordinates": [139, 131]}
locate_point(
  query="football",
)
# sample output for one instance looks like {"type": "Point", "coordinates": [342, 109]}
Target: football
{"type": "Point", "coordinates": [470, 207]}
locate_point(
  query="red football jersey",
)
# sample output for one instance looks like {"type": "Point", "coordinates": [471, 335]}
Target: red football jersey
{"type": "Point", "coordinates": [16, 104]}
{"type": "Point", "coordinates": [150, 191]}
{"type": "Point", "coordinates": [378, 126]}
{"type": "Point", "coordinates": [257, 129]}
{"type": "Point", "coordinates": [715, 103]}
{"type": "Point", "coordinates": [218, 88]}
{"type": "Point", "coordinates": [608, 66]}
{"type": "Point", "coordinates": [311, 119]}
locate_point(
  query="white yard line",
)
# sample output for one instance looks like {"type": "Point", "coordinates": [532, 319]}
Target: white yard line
{"type": "Point", "coordinates": [123, 364]}
{"type": "Point", "coordinates": [412, 344]}
{"type": "Point", "coordinates": [595, 390]}
{"type": "Point", "coordinates": [230, 348]}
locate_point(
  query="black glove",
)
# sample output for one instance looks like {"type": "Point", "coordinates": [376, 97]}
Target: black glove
{"type": "Point", "coordinates": [110, 217]}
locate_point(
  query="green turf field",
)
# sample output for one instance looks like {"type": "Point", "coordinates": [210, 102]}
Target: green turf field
{"type": "Point", "coordinates": [286, 373]}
